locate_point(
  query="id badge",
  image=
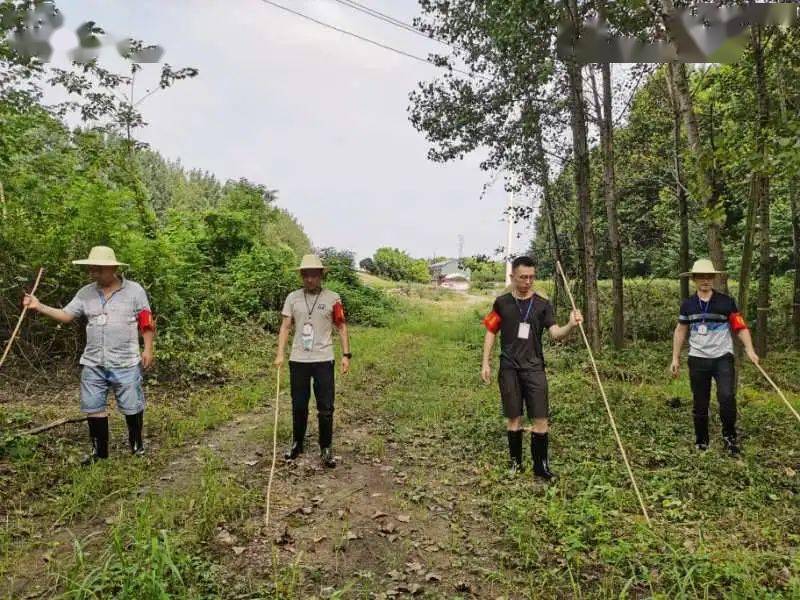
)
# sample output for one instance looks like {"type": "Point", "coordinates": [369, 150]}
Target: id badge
{"type": "Point", "coordinates": [101, 319]}
{"type": "Point", "coordinates": [524, 331]}
{"type": "Point", "coordinates": [308, 337]}
{"type": "Point", "coordinates": [702, 329]}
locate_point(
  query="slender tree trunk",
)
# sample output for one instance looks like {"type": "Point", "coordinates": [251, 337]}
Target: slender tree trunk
{"type": "Point", "coordinates": [606, 126]}
{"type": "Point", "coordinates": [544, 181]}
{"type": "Point", "coordinates": [582, 190]}
{"type": "Point", "coordinates": [762, 175]}
{"type": "Point", "coordinates": [747, 248]}
{"type": "Point", "coordinates": [680, 186]}
{"type": "Point", "coordinates": [2, 202]}
{"type": "Point", "coordinates": [705, 162]}
{"type": "Point", "coordinates": [794, 198]}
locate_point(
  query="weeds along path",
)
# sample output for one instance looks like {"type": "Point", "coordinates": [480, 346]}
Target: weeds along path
{"type": "Point", "coordinates": [420, 504]}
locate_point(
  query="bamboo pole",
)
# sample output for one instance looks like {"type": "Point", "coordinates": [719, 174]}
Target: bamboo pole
{"type": "Point", "coordinates": [777, 389]}
{"type": "Point", "coordinates": [21, 317]}
{"type": "Point", "coordinates": [274, 443]}
{"type": "Point", "coordinates": [605, 400]}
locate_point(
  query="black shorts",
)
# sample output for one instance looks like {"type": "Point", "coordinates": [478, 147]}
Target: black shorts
{"type": "Point", "coordinates": [524, 386]}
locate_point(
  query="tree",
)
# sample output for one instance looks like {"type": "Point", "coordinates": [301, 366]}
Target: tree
{"type": "Point", "coordinates": [605, 120]}
{"type": "Point", "coordinates": [368, 265]}
{"type": "Point", "coordinates": [516, 81]}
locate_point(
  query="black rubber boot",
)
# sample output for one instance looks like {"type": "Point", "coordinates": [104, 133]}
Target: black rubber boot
{"type": "Point", "coordinates": [701, 433]}
{"type": "Point", "coordinates": [135, 425]}
{"type": "Point", "coordinates": [515, 451]}
{"type": "Point", "coordinates": [299, 424]}
{"type": "Point", "coordinates": [98, 434]}
{"type": "Point", "coordinates": [326, 456]}
{"type": "Point", "coordinates": [731, 445]}
{"type": "Point", "coordinates": [541, 467]}
{"type": "Point", "coordinates": [325, 440]}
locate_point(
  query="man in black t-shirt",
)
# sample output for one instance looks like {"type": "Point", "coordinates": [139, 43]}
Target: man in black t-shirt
{"type": "Point", "coordinates": [521, 317]}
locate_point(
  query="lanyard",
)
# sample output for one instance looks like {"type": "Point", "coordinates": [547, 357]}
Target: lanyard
{"type": "Point", "coordinates": [311, 310]}
{"type": "Point", "coordinates": [528, 313]}
{"type": "Point", "coordinates": [704, 309]}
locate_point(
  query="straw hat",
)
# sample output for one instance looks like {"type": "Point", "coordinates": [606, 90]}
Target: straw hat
{"type": "Point", "coordinates": [702, 266]}
{"type": "Point", "coordinates": [309, 262]}
{"type": "Point", "coordinates": [101, 256]}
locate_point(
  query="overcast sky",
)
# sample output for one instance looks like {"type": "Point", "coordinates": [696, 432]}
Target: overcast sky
{"type": "Point", "coordinates": [316, 114]}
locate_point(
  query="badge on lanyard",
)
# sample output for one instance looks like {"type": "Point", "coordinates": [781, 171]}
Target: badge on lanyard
{"type": "Point", "coordinates": [702, 329]}
{"type": "Point", "coordinates": [308, 337]}
{"type": "Point", "coordinates": [101, 319]}
{"type": "Point", "coordinates": [524, 331]}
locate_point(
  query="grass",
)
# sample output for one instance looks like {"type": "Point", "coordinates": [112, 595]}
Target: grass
{"type": "Point", "coordinates": [720, 527]}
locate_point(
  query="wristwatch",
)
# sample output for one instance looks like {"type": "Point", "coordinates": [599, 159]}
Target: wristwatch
{"type": "Point", "coordinates": [347, 355]}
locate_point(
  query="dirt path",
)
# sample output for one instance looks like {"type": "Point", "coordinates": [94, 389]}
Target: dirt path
{"type": "Point", "coordinates": [394, 518]}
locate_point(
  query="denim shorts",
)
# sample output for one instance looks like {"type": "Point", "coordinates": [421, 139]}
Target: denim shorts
{"type": "Point", "coordinates": [126, 384]}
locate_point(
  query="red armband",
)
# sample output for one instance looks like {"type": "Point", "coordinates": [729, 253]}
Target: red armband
{"type": "Point", "coordinates": [737, 322]}
{"type": "Point", "coordinates": [338, 314]}
{"type": "Point", "coordinates": [492, 322]}
{"type": "Point", "coordinates": [145, 319]}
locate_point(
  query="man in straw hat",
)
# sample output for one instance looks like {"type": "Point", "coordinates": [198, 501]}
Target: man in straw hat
{"type": "Point", "coordinates": [314, 312]}
{"type": "Point", "coordinates": [116, 311]}
{"type": "Point", "coordinates": [521, 316]}
{"type": "Point", "coordinates": [709, 318]}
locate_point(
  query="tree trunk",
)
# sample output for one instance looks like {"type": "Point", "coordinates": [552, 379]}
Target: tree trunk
{"type": "Point", "coordinates": [765, 263]}
{"type": "Point", "coordinates": [705, 162]}
{"type": "Point", "coordinates": [544, 181]}
{"type": "Point", "coordinates": [583, 194]}
{"type": "Point", "coordinates": [606, 126]}
{"type": "Point", "coordinates": [747, 248]}
{"type": "Point", "coordinates": [582, 189]}
{"type": "Point", "coordinates": [680, 186]}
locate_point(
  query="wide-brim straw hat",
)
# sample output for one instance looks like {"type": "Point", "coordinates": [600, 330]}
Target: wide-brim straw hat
{"type": "Point", "coordinates": [101, 256]}
{"type": "Point", "coordinates": [702, 266]}
{"type": "Point", "coordinates": [311, 262]}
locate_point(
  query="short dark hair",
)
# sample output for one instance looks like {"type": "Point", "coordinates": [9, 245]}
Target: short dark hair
{"type": "Point", "coordinates": [523, 261]}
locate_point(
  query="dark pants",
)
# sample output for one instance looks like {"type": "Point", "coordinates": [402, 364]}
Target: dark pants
{"type": "Point", "coordinates": [722, 370]}
{"type": "Point", "coordinates": [301, 376]}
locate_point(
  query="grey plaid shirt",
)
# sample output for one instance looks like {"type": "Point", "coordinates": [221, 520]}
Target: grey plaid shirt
{"type": "Point", "coordinates": [112, 329]}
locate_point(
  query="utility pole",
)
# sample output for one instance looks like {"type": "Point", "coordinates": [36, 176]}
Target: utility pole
{"type": "Point", "coordinates": [510, 236]}
{"type": "Point", "coordinates": [460, 247]}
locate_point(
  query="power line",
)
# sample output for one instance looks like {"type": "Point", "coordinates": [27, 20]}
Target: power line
{"type": "Point", "coordinates": [366, 39]}
{"type": "Point", "coordinates": [388, 19]}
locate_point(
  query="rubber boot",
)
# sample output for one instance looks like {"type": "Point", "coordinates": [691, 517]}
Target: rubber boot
{"type": "Point", "coordinates": [541, 467]}
{"type": "Point", "coordinates": [325, 440]}
{"type": "Point", "coordinates": [135, 425]}
{"type": "Point", "coordinates": [731, 445]}
{"type": "Point", "coordinates": [299, 423]}
{"type": "Point", "coordinates": [98, 434]}
{"type": "Point", "coordinates": [515, 451]}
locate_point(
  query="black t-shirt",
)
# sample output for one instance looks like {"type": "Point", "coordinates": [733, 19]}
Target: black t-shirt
{"type": "Point", "coordinates": [517, 353]}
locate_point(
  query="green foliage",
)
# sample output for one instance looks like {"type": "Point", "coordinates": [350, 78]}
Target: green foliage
{"type": "Point", "coordinates": [219, 257]}
{"type": "Point", "coordinates": [398, 265]}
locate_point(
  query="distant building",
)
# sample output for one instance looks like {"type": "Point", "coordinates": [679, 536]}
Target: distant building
{"type": "Point", "coordinates": [450, 274]}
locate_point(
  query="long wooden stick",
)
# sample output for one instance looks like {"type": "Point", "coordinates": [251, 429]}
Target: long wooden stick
{"type": "Point", "coordinates": [780, 393]}
{"type": "Point", "coordinates": [274, 444]}
{"type": "Point", "coordinates": [52, 425]}
{"type": "Point", "coordinates": [605, 399]}
{"type": "Point", "coordinates": [21, 317]}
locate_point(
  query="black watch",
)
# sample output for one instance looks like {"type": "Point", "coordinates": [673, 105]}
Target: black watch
{"type": "Point", "coordinates": [347, 355]}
